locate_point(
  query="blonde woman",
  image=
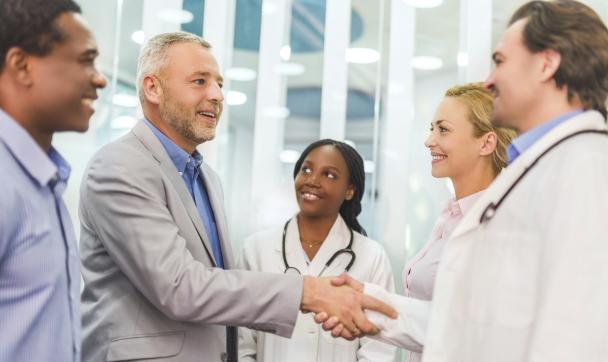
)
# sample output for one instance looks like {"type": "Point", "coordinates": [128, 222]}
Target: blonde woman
{"type": "Point", "coordinates": [471, 152]}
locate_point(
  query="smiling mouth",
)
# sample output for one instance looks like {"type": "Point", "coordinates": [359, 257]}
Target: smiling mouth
{"type": "Point", "coordinates": [437, 157]}
{"type": "Point", "coordinates": [309, 196]}
{"type": "Point", "coordinates": [211, 115]}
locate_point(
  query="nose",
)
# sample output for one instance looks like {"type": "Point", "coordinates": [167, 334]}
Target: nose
{"type": "Point", "coordinates": [489, 83]}
{"type": "Point", "coordinates": [215, 93]}
{"type": "Point", "coordinates": [430, 140]}
{"type": "Point", "coordinates": [99, 80]}
{"type": "Point", "coordinates": [312, 179]}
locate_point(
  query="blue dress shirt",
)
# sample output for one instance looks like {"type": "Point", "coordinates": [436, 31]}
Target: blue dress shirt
{"type": "Point", "coordinates": [189, 167]}
{"type": "Point", "coordinates": [520, 144]}
{"type": "Point", "coordinates": [39, 262]}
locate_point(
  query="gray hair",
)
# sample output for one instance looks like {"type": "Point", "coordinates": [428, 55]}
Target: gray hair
{"type": "Point", "coordinates": [153, 56]}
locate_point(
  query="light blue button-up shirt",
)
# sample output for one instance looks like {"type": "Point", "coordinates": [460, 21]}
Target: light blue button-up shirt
{"type": "Point", "coordinates": [189, 167]}
{"type": "Point", "coordinates": [520, 144]}
{"type": "Point", "coordinates": [39, 263]}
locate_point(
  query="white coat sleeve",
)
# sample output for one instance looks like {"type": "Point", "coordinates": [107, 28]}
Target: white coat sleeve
{"type": "Point", "coordinates": [571, 322]}
{"type": "Point", "coordinates": [409, 329]}
{"type": "Point", "coordinates": [372, 350]}
{"type": "Point", "coordinates": [248, 337]}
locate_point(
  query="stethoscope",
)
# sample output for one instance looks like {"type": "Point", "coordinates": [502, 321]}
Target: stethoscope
{"type": "Point", "coordinates": [490, 210]}
{"type": "Point", "coordinates": [348, 250]}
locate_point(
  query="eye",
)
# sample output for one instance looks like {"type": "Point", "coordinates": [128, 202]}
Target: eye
{"type": "Point", "coordinates": [199, 81]}
{"type": "Point", "coordinates": [331, 175]}
{"type": "Point", "coordinates": [442, 129]}
{"type": "Point", "coordinates": [305, 169]}
{"type": "Point", "coordinates": [221, 85]}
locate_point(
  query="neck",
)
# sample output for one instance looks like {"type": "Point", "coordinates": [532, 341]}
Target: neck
{"type": "Point", "coordinates": [545, 111]}
{"type": "Point", "coordinates": [158, 122]}
{"type": "Point", "coordinates": [477, 180]}
{"type": "Point", "coordinates": [315, 229]}
{"type": "Point", "coordinates": [41, 136]}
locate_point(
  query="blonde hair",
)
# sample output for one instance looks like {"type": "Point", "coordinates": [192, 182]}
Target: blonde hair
{"type": "Point", "coordinates": [479, 102]}
{"type": "Point", "coordinates": [153, 56]}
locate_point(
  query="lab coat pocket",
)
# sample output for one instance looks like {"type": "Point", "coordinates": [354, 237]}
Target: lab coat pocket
{"type": "Point", "coordinates": [156, 345]}
{"type": "Point", "coordinates": [503, 272]}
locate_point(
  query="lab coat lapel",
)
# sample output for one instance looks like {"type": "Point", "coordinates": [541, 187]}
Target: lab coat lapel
{"type": "Point", "coordinates": [336, 239]}
{"type": "Point", "coordinates": [590, 120]}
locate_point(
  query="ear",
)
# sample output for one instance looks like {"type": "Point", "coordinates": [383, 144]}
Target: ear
{"type": "Point", "coordinates": [550, 63]}
{"type": "Point", "coordinates": [19, 64]}
{"type": "Point", "coordinates": [488, 146]}
{"type": "Point", "coordinates": [153, 92]}
{"type": "Point", "coordinates": [350, 192]}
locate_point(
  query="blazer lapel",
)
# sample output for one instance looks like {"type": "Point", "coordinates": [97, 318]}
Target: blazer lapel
{"type": "Point", "coordinates": [147, 137]}
{"type": "Point", "coordinates": [213, 190]}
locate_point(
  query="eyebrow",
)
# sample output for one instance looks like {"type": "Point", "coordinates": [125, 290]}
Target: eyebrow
{"type": "Point", "coordinates": [207, 74]}
{"type": "Point", "coordinates": [328, 166]}
{"type": "Point", "coordinates": [438, 122]}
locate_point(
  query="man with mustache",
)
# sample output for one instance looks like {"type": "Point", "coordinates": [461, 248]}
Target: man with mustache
{"type": "Point", "coordinates": [154, 246]}
{"type": "Point", "coordinates": [48, 83]}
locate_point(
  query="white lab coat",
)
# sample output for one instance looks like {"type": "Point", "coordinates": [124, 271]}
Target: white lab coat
{"type": "Point", "coordinates": [309, 342]}
{"type": "Point", "coordinates": [530, 285]}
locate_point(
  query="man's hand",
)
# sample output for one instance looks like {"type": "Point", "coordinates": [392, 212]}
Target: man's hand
{"type": "Point", "coordinates": [345, 304]}
{"type": "Point", "coordinates": [333, 323]}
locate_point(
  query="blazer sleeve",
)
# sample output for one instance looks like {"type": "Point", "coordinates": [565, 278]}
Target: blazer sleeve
{"type": "Point", "coordinates": [381, 274]}
{"type": "Point", "coordinates": [248, 337]}
{"type": "Point", "coordinates": [123, 202]}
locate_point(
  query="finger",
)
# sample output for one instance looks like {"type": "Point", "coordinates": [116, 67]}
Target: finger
{"type": "Point", "coordinates": [372, 303]}
{"type": "Point", "coordinates": [363, 326]}
{"type": "Point", "coordinates": [354, 283]}
{"type": "Point", "coordinates": [339, 280]}
{"type": "Point", "coordinates": [331, 323]}
{"type": "Point", "coordinates": [321, 317]}
{"type": "Point", "coordinates": [347, 335]}
{"type": "Point", "coordinates": [337, 331]}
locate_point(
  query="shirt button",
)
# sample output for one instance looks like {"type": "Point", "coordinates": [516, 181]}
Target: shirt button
{"type": "Point", "coordinates": [224, 356]}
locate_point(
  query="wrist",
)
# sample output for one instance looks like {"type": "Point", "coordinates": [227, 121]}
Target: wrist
{"type": "Point", "coordinates": [308, 294]}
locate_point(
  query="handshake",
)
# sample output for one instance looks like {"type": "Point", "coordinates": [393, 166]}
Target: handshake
{"type": "Point", "coordinates": [339, 304]}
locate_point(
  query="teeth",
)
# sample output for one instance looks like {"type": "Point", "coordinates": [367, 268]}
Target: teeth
{"type": "Point", "coordinates": [438, 157]}
{"type": "Point", "coordinates": [309, 196]}
{"type": "Point", "coordinates": [87, 101]}
{"type": "Point", "coordinates": [208, 114]}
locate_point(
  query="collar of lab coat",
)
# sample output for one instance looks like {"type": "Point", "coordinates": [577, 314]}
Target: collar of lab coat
{"type": "Point", "coordinates": [590, 120]}
{"type": "Point", "coordinates": [337, 238]}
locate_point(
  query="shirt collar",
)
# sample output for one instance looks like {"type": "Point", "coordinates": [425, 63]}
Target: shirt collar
{"type": "Point", "coordinates": [462, 205]}
{"type": "Point", "coordinates": [180, 158]}
{"type": "Point", "coordinates": [41, 166]}
{"type": "Point", "coordinates": [522, 143]}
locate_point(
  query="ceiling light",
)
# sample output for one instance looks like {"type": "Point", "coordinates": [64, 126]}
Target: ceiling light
{"type": "Point", "coordinates": [235, 98]}
{"type": "Point", "coordinates": [125, 100]}
{"type": "Point", "coordinates": [175, 16]}
{"type": "Point", "coordinates": [240, 74]}
{"type": "Point", "coordinates": [276, 112]}
{"type": "Point", "coordinates": [123, 122]}
{"type": "Point", "coordinates": [285, 52]}
{"type": "Point", "coordinates": [289, 156]}
{"type": "Point", "coordinates": [138, 37]}
{"type": "Point", "coordinates": [463, 59]}
{"type": "Point", "coordinates": [290, 69]}
{"type": "Point", "coordinates": [423, 3]}
{"type": "Point", "coordinates": [426, 63]}
{"type": "Point", "coordinates": [362, 55]}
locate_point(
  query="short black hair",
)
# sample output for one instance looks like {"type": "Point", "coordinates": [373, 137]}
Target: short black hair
{"type": "Point", "coordinates": [30, 25]}
{"type": "Point", "coordinates": [350, 209]}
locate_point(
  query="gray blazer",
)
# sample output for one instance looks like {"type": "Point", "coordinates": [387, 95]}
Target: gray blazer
{"type": "Point", "coordinates": [150, 289]}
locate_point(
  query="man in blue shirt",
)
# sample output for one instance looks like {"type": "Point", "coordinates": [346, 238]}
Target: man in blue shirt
{"type": "Point", "coordinates": [47, 84]}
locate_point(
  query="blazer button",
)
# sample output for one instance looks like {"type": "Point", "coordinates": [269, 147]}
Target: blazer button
{"type": "Point", "coordinates": [224, 357]}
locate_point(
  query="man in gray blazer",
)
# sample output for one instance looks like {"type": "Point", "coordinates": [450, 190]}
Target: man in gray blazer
{"type": "Point", "coordinates": [154, 243]}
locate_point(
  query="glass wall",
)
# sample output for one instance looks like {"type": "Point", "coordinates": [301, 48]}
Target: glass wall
{"type": "Point", "coordinates": [368, 72]}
